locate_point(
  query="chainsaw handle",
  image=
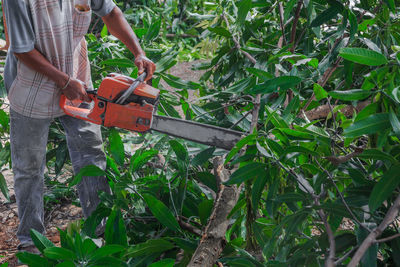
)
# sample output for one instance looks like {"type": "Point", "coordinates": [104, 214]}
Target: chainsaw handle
{"type": "Point", "coordinates": [77, 112]}
{"type": "Point", "coordinates": [131, 88]}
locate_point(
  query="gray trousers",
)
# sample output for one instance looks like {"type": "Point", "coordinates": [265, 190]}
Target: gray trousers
{"type": "Point", "coordinates": [28, 154]}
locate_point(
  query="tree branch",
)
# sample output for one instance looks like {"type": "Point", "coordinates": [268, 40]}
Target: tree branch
{"type": "Point", "coordinates": [323, 111]}
{"type": "Point", "coordinates": [189, 227]}
{"type": "Point", "coordinates": [294, 28]}
{"type": "Point", "coordinates": [386, 239]}
{"type": "Point", "coordinates": [213, 239]}
{"type": "Point", "coordinates": [371, 238]}
{"type": "Point", "coordinates": [345, 256]}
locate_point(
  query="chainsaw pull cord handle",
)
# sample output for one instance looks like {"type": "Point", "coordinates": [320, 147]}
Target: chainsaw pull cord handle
{"type": "Point", "coordinates": [131, 88]}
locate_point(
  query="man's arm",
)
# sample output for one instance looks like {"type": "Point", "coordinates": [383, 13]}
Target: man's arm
{"type": "Point", "coordinates": [36, 61]}
{"type": "Point", "coordinates": [120, 28]}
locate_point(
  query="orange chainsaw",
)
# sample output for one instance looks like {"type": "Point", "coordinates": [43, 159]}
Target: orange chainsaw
{"type": "Point", "coordinates": [131, 104]}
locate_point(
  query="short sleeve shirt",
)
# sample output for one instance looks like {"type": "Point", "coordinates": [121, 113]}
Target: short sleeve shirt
{"type": "Point", "coordinates": [27, 30]}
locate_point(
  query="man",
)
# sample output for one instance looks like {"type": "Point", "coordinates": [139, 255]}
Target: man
{"type": "Point", "coordinates": [47, 57]}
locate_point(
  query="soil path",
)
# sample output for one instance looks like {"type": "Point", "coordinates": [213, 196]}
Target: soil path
{"type": "Point", "coordinates": [63, 213]}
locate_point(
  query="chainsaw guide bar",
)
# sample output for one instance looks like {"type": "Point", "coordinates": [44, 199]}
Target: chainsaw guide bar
{"type": "Point", "coordinates": [197, 132]}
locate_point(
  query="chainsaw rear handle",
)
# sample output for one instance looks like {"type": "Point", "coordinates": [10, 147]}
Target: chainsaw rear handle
{"type": "Point", "coordinates": [77, 111]}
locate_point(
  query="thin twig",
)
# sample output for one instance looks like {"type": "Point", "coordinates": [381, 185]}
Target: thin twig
{"type": "Point", "coordinates": [281, 16]}
{"type": "Point", "coordinates": [294, 28]}
{"type": "Point", "coordinates": [386, 239]}
{"type": "Point", "coordinates": [241, 119]}
{"type": "Point", "coordinates": [345, 256]}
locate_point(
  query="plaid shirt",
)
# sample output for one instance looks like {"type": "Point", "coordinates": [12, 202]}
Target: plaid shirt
{"type": "Point", "coordinates": [59, 30]}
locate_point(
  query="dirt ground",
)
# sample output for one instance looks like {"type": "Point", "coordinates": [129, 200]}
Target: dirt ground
{"type": "Point", "coordinates": [63, 213]}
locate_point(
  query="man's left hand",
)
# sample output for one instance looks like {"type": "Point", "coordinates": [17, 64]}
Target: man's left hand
{"type": "Point", "coordinates": [145, 64]}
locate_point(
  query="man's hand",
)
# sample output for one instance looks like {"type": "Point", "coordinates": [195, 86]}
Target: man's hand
{"type": "Point", "coordinates": [145, 64]}
{"type": "Point", "coordinates": [76, 90]}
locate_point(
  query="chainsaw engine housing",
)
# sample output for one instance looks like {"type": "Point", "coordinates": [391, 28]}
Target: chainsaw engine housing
{"type": "Point", "coordinates": [135, 113]}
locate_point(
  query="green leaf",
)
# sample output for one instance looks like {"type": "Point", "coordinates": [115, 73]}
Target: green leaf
{"type": "Point", "coordinates": [282, 82]}
{"type": "Point", "coordinates": [391, 4]}
{"type": "Point", "coordinates": [57, 253]}
{"type": "Point", "coordinates": [153, 30]}
{"type": "Point", "coordinates": [363, 56]}
{"type": "Point", "coordinates": [119, 62]}
{"type": "Point", "coordinates": [32, 260]}
{"type": "Point", "coordinates": [263, 75]}
{"type": "Point", "coordinates": [116, 147]}
{"type": "Point", "coordinates": [163, 263]}
{"type": "Point", "coordinates": [66, 264]}
{"type": "Point", "coordinates": [384, 188]}
{"type": "Point", "coordinates": [369, 125]}
{"type": "Point", "coordinates": [377, 154]}
{"type": "Point", "coordinates": [138, 161]}
{"type": "Point", "coordinates": [395, 246]}
{"type": "Point", "coordinates": [203, 156]}
{"type": "Point", "coordinates": [258, 188]}
{"type": "Point", "coordinates": [107, 250]}
{"type": "Point", "coordinates": [161, 212]}
{"type": "Point", "coordinates": [243, 8]}
{"type": "Point", "coordinates": [167, 61]}
{"type": "Point", "coordinates": [246, 172]}
{"type": "Point", "coordinates": [115, 232]}
{"type": "Point", "coordinates": [353, 24]}
{"type": "Point", "coordinates": [299, 149]}
{"type": "Point", "coordinates": [294, 221]}
{"type": "Point", "coordinates": [112, 165]}
{"type": "Point", "coordinates": [104, 31]}
{"type": "Point", "coordinates": [246, 140]}
{"type": "Point", "coordinates": [394, 120]}
{"type": "Point", "coordinates": [40, 241]}
{"type": "Point", "coordinates": [350, 95]}
{"type": "Point", "coordinates": [288, 9]}
{"type": "Point", "coordinates": [178, 83]}
{"type": "Point", "coordinates": [90, 170]}
{"type": "Point", "coordinates": [326, 16]}
{"type": "Point", "coordinates": [290, 197]}
{"type": "Point", "coordinates": [297, 134]}
{"type": "Point", "coordinates": [208, 179]}
{"type": "Point", "coordinates": [319, 92]}
{"type": "Point", "coordinates": [4, 119]}
{"type": "Point", "coordinates": [3, 187]}
{"type": "Point", "coordinates": [149, 247]}
{"type": "Point", "coordinates": [205, 208]}
{"type": "Point", "coordinates": [180, 150]}
{"type": "Point", "coordinates": [61, 156]}
{"type": "Point", "coordinates": [220, 31]}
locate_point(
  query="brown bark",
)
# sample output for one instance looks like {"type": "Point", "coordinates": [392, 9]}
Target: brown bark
{"type": "Point", "coordinates": [323, 111]}
{"type": "Point", "coordinates": [213, 240]}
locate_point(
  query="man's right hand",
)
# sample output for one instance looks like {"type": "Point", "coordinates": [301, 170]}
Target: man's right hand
{"type": "Point", "coordinates": [76, 91]}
